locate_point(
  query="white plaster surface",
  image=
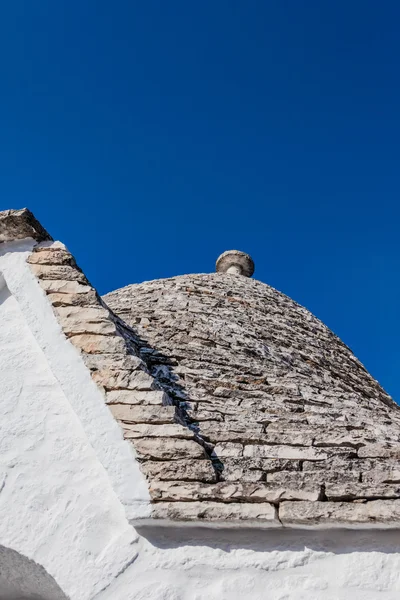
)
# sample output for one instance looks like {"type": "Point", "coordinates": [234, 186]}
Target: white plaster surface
{"type": "Point", "coordinates": [62, 457]}
{"type": "Point", "coordinates": [262, 565]}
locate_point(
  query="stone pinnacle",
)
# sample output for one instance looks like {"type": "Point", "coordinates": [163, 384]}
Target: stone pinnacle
{"type": "Point", "coordinates": [236, 263]}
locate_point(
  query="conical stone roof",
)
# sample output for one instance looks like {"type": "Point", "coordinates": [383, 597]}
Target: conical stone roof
{"type": "Point", "coordinates": [284, 410]}
{"type": "Point", "coordinates": [240, 405]}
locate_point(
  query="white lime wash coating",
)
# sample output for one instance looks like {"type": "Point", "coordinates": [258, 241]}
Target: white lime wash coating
{"type": "Point", "coordinates": [71, 489]}
{"type": "Point", "coordinates": [246, 564]}
{"type": "Point", "coordinates": [67, 475]}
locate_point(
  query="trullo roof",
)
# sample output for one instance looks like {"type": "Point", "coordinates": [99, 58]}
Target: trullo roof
{"type": "Point", "coordinates": [285, 411]}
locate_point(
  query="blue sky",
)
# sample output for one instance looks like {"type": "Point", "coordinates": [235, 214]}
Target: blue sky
{"type": "Point", "coordinates": [152, 136]}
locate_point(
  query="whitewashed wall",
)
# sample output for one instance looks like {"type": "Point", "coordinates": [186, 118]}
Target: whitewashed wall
{"type": "Point", "coordinates": [67, 478]}
{"type": "Point", "coordinates": [263, 565]}
{"type": "Point", "coordinates": [69, 485]}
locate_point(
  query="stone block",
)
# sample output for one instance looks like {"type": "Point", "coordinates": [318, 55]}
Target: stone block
{"type": "Point", "coordinates": [379, 451]}
{"type": "Point", "coordinates": [142, 430]}
{"type": "Point", "coordinates": [204, 415]}
{"type": "Point", "coordinates": [381, 475]}
{"type": "Point", "coordinates": [188, 469]}
{"type": "Point", "coordinates": [72, 327]}
{"type": "Point", "coordinates": [353, 491]}
{"type": "Point", "coordinates": [300, 478]}
{"type": "Point", "coordinates": [261, 513]}
{"type": "Point", "coordinates": [98, 344]}
{"type": "Point", "coordinates": [287, 452]}
{"type": "Point", "coordinates": [376, 513]}
{"type": "Point", "coordinates": [228, 449]}
{"type": "Point", "coordinates": [241, 474]}
{"type": "Point", "coordinates": [80, 299]}
{"type": "Point", "coordinates": [61, 286]}
{"type": "Point", "coordinates": [21, 224]}
{"type": "Point", "coordinates": [168, 449]}
{"type": "Point", "coordinates": [134, 397]}
{"type": "Point", "coordinates": [51, 256]}
{"type": "Point", "coordinates": [143, 414]}
{"type": "Point", "coordinates": [124, 379]}
{"type": "Point", "coordinates": [58, 272]}
{"type": "Point", "coordinates": [227, 432]}
{"type": "Point", "coordinates": [77, 314]}
{"type": "Point", "coordinates": [348, 439]}
{"type": "Point", "coordinates": [272, 465]}
{"type": "Point", "coordinates": [112, 361]}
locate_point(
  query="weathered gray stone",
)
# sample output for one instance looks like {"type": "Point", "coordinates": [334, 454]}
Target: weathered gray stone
{"type": "Point", "coordinates": [228, 449]}
{"type": "Point", "coordinates": [346, 439]}
{"type": "Point", "coordinates": [187, 469]}
{"type": "Point", "coordinates": [271, 465]}
{"type": "Point", "coordinates": [98, 344]}
{"type": "Point", "coordinates": [229, 492]}
{"type": "Point", "coordinates": [55, 272]}
{"type": "Point", "coordinates": [61, 286]}
{"type": "Point", "coordinates": [77, 314]}
{"type": "Point", "coordinates": [168, 449]}
{"type": "Point", "coordinates": [288, 452]}
{"type": "Point", "coordinates": [51, 256]}
{"type": "Point", "coordinates": [62, 299]}
{"type": "Point", "coordinates": [135, 397]}
{"type": "Point", "coordinates": [236, 263]}
{"type": "Point", "coordinates": [381, 475]}
{"type": "Point", "coordinates": [337, 463]}
{"type": "Point", "coordinates": [261, 513]}
{"type": "Point", "coordinates": [21, 224]}
{"type": "Point", "coordinates": [368, 491]}
{"type": "Point", "coordinates": [143, 414]}
{"type": "Point", "coordinates": [216, 432]}
{"type": "Point", "coordinates": [71, 327]}
{"type": "Point", "coordinates": [379, 451]}
{"type": "Point", "coordinates": [261, 378]}
{"type": "Point", "coordinates": [204, 415]}
{"type": "Point", "coordinates": [330, 514]}
{"type": "Point", "coordinates": [124, 379]}
{"type": "Point", "coordinates": [112, 361]}
{"type": "Point", "coordinates": [134, 431]}
{"type": "Point", "coordinates": [237, 469]}
{"type": "Point", "coordinates": [295, 479]}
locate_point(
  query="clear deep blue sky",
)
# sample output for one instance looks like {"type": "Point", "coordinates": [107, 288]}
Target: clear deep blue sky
{"type": "Point", "coordinates": [151, 136]}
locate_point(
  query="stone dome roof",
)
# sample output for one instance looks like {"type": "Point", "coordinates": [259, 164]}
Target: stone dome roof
{"type": "Point", "coordinates": [239, 404]}
{"type": "Point", "coordinates": [283, 408]}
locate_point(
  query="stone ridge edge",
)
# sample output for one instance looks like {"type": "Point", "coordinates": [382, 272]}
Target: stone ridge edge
{"type": "Point", "coordinates": [109, 349]}
{"type": "Point", "coordinates": [21, 224]}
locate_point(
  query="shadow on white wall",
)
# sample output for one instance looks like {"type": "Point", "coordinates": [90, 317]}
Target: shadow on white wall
{"type": "Point", "coordinates": [23, 579]}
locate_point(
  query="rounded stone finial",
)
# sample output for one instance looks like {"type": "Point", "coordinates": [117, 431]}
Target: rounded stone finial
{"type": "Point", "coordinates": [236, 262]}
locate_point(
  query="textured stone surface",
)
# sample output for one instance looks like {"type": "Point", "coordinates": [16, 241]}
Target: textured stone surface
{"type": "Point", "coordinates": [142, 430]}
{"type": "Point", "coordinates": [168, 449]}
{"type": "Point", "coordinates": [286, 408]}
{"type": "Point", "coordinates": [231, 492]}
{"type": "Point", "coordinates": [21, 224]}
{"type": "Point", "coordinates": [187, 470]}
{"type": "Point", "coordinates": [328, 514]}
{"type": "Point", "coordinates": [215, 511]}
